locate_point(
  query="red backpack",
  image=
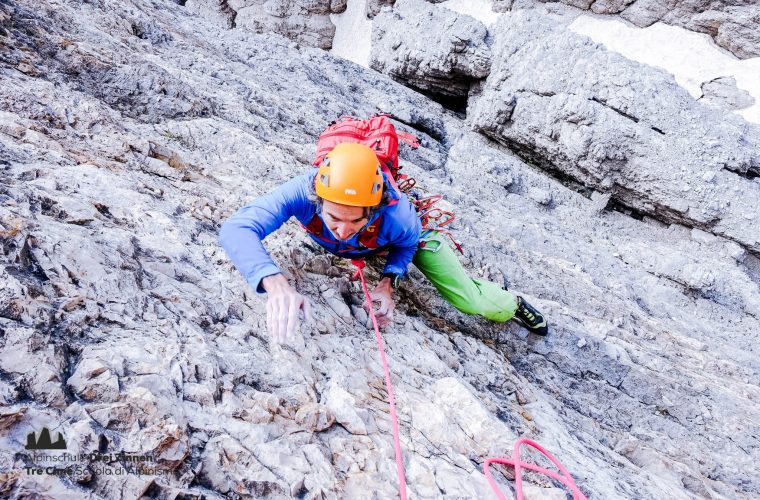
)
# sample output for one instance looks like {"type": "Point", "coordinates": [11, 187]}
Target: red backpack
{"type": "Point", "coordinates": [377, 132]}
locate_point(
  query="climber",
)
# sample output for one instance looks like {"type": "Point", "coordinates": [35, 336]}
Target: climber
{"type": "Point", "coordinates": [349, 207]}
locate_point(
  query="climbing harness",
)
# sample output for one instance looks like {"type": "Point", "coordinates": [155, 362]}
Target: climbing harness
{"type": "Point", "coordinates": [565, 478]}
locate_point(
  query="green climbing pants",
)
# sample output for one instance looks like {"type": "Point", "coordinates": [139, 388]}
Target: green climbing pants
{"type": "Point", "coordinates": [438, 262]}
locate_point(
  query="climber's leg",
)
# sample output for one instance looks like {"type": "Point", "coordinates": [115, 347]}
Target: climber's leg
{"type": "Point", "coordinates": [438, 262]}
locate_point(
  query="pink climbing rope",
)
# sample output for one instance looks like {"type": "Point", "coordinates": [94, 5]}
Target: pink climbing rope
{"type": "Point", "coordinates": [565, 478]}
{"type": "Point", "coordinates": [391, 398]}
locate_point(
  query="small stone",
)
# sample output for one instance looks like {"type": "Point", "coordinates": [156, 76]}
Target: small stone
{"type": "Point", "coordinates": [73, 303]}
{"type": "Point", "coordinates": [94, 381]}
{"type": "Point", "coordinates": [315, 417]}
{"type": "Point", "coordinates": [360, 314]}
{"type": "Point", "coordinates": [540, 196]}
{"type": "Point", "coordinates": [520, 398]}
{"type": "Point", "coordinates": [9, 417]}
{"type": "Point", "coordinates": [337, 304]}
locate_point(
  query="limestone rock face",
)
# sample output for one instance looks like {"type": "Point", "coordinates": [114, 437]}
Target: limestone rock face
{"type": "Point", "coordinates": [722, 92]}
{"type": "Point", "coordinates": [619, 127]}
{"type": "Point", "coordinates": [429, 48]}
{"type": "Point", "coordinates": [130, 131]}
{"type": "Point", "coordinates": [94, 381]}
{"type": "Point", "coordinates": [373, 7]}
{"type": "Point", "coordinates": [305, 22]}
{"type": "Point", "coordinates": [733, 24]}
{"type": "Point", "coordinates": [216, 11]}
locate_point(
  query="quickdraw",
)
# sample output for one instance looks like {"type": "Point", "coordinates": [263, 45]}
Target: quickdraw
{"type": "Point", "coordinates": [432, 218]}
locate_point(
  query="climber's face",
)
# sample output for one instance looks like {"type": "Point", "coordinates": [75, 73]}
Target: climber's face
{"type": "Point", "coordinates": [344, 221]}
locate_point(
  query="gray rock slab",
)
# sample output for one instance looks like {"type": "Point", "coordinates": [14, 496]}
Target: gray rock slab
{"type": "Point", "coordinates": [723, 92]}
{"type": "Point", "coordinates": [429, 48]}
{"type": "Point", "coordinates": [570, 106]}
{"type": "Point", "coordinates": [645, 386]}
{"type": "Point", "coordinates": [732, 24]}
{"type": "Point", "coordinates": [304, 22]}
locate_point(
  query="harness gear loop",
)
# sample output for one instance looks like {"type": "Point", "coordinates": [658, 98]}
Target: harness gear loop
{"type": "Point", "coordinates": [431, 218]}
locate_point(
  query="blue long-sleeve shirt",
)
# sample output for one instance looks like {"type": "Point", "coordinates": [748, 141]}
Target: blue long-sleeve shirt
{"type": "Point", "coordinates": [242, 234]}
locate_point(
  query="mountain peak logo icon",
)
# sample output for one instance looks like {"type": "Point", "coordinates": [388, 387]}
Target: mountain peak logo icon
{"type": "Point", "coordinates": [44, 442]}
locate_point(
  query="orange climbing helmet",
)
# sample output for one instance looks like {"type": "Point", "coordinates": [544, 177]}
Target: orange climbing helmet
{"type": "Point", "coordinates": [350, 175]}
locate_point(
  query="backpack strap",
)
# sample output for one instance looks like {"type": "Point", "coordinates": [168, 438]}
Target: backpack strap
{"type": "Point", "coordinates": [386, 169]}
{"type": "Point", "coordinates": [408, 138]}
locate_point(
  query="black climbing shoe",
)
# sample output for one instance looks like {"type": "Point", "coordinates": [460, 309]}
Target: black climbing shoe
{"type": "Point", "coordinates": [530, 318]}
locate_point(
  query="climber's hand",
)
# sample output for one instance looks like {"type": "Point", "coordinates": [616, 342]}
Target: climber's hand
{"type": "Point", "coordinates": [283, 306]}
{"type": "Point", "coordinates": [383, 296]}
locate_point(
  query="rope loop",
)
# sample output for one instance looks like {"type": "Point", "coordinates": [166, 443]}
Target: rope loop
{"type": "Point", "coordinates": [516, 462]}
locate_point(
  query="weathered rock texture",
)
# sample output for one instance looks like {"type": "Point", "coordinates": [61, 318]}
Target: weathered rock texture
{"type": "Point", "coordinates": [724, 93]}
{"type": "Point", "coordinates": [124, 326]}
{"type": "Point", "coordinates": [429, 48]}
{"type": "Point", "coordinates": [217, 11]}
{"type": "Point", "coordinates": [373, 7]}
{"type": "Point", "coordinates": [305, 22]}
{"type": "Point", "coordinates": [733, 24]}
{"type": "Point", "coordinates": [620, 128]}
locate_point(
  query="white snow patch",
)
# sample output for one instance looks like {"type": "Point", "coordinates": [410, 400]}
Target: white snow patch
{"type": "Point", "coordinates": [692, 58]}
{"type": "Point", "coordinates": [479, 9]}
{"type": "Point", "coordinates": [353, 33]}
